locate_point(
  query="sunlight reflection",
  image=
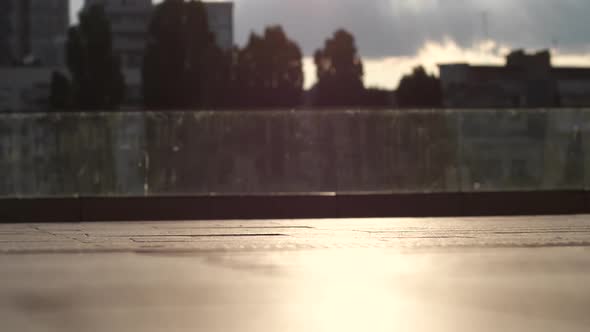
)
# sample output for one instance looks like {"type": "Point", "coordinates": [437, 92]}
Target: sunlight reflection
{"type": "Point", "coordinates": [353, 290]}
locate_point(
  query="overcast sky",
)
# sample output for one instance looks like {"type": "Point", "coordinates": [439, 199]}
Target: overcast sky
{"type": "Point", "coordinates": [396, 31]}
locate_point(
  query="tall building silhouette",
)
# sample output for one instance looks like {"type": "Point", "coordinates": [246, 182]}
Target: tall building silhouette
{"type": "Point", "coordinates": [130, 20]}
{"type": "Point", "coordinates": [129, 23]}
{"type": "Point", "coordinates": [33, 31]}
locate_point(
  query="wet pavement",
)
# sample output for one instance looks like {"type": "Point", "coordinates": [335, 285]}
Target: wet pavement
{"type": "Point", "coordinates": [449, 274]}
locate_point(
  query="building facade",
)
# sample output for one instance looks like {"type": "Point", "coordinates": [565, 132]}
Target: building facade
{"type": "Point", "coordinates": [33, 31]}
{"type": "Point", "coordinates": [129, 23]}
{"type": "Point", "coordinates": [221, 23]}
{"type": "Point", "coordinates": [130, 20]}
{"type": "Point", "coordinates": [5, 32]}
{"type": "Point", "coordinates": [25, 89]}
{"type": "Point", "coordinates": [50, 20]}
{"type": "Point", "coordinates": [527, 80]}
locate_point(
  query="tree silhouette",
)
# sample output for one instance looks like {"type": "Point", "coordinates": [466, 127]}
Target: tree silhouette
{"type": "Point", "coordinates": [419, 90]}
{"type": "Point", "coordinates": [378, 98]}
{"type": "Point", "coordinates": [269, 71]}
{"type": "Point", "coordinates": [97, 80]}
{"type": "Point", "coordinates": [183, 67]}
{"type": "Point", "coordinates": [339, 72]}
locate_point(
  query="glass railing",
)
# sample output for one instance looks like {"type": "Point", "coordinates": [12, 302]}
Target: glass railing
{"type": "Point", "coordinates": [293, 152]}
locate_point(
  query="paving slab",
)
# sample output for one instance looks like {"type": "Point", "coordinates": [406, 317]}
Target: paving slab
{"type": "Point", "coordinates": [438, 274]}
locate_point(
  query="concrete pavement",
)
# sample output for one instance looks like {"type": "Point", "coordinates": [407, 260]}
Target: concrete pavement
{"type": "Point", "coordinates": [446, 274]}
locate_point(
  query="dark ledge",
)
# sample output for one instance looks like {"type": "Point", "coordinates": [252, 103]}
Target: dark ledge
{"type": "Point", "coordinates": [294, 207]}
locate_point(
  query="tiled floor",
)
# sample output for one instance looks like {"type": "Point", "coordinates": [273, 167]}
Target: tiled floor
{"type": "Point", "coordinates": [478, 274]}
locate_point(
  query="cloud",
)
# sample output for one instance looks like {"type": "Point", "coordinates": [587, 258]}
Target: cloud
{"type": "Point", "coordinates": [402, 27]}
{"type": "Point", "coordinates": [386, 72]}
{"type": "Point", "coordinates": [395, 35]}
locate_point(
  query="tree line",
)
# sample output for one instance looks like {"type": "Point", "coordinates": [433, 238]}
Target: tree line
{"type": "Point", "coordinates": [184, 68]}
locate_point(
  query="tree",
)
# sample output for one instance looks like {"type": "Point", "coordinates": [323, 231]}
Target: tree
{"type": "Point", "coordinates": [60, 96]}
{"type": "Point", "coordinates": [339, 72]}
{"type": "Point", "coordinates": [97, 80]}
{"type": "Point", "coordinates": [270, 71]}
{"type": "Point", "coordinates": [375, 97]}
{"type": "Point", "coordinates": [419, 90]}
{"type": "Point", "coordinates": [183, 67]}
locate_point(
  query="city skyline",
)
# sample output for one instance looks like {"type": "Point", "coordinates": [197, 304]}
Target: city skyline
{"type": "Point", "coordinates": [391, 41]}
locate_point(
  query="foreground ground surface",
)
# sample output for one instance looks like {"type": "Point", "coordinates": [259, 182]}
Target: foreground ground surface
{"type": "Point", "coordinates": [467, 274]}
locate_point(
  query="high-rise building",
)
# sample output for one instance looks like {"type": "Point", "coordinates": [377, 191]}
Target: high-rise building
{"type": "Point", "coordinates": [130, 20]}
{"type": "Point", "coordinates": [129, 23]}
{"type": "Point", "coordinates": [50, 20]}
{"type": "Point", "coordinates": [221, 22]}
{"type": "Point", "coordinates": [33, 31]}
{"type": "Point", "coordinates": [5, 31]}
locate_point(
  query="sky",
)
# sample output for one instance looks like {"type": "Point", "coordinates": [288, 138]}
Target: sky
{"type": "Point", "coordinates": [395, 35]}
